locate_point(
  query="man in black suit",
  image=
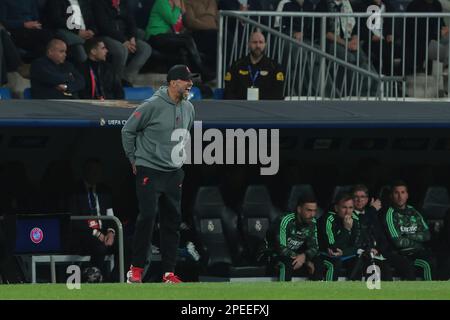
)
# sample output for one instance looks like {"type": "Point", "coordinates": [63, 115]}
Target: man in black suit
{"type": "Point", "coordinates": [52, 77]}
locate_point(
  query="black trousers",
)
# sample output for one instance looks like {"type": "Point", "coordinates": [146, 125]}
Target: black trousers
{"type": "Point", "coordinates": [407, 266]}
{"type": "Point", "coordinates": [9, 56]}
{"type": "Point", "coordinates": [158, 191]}
{"type": "Point", "coordinates": [285, 271]}
{"type": "Point", "coordinates": [34, 40]}
{"type": "Point", "coordinates": [84, 243]}
{"type": "Point", "coordinates": [206, 41]}
{"type": "Point", "coordinates": [179, 43]}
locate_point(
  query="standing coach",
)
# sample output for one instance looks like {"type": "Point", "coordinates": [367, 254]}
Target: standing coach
{"type": "Point", "coordinates": [146, 139]}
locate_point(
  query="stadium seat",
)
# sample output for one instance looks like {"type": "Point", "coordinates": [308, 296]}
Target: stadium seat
{"type": "Point", "coordinates": [212, 217]}
{"type": "Point", "coordinates": [217, 229]}
{"type": "Point", "coordinates": [338, 190]}
{"type": "Point", "coordinates": [384, 195]}
{"type": "Point", "coordinates": [257, 214]}
{"type": "Point", "coordinates": [436, 202]}
{"type": "Point", "coordinates": [218, 94]}
{"type": "Point", "coordinates": [196, 93]}
{"type": "Point", "coordinates": [295, 192]}
{"type": "Point", "coordinates": [138, 93]}
{"type": "Point", "coordinates": [5, 94]}
{"type": "Point", "coordinates": [27, 93]}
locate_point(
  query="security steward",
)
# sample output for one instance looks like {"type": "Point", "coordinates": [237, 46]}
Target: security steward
{"type": "Point", "coordinates": [255, 77]}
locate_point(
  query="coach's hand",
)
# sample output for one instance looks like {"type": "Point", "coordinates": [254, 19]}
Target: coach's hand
{"type": "Point", "coordinates": [109, 239]}
{"type": "Point", "coordinates": [133, 167]}
{"type": "Point", "coordinates": [298, 261]}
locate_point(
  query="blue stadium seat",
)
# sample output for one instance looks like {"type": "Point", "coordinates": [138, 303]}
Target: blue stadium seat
{"type": "Point", "coordinates": [27, 93]}
{"type": "Point", "coordinates": [138, 93]}
{"type": "Point", "coordinates": [218, 93]}
{"type": "Point", "coordinates": [196, 93]}
{"type": "Point", "coordinates": [5, 94]}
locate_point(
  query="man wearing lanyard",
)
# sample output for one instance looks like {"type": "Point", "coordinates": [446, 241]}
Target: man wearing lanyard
{"type": "Point", "coordinates": [102, 81]}
{"type": "Point", "coordinates": [256, 76]}
{"type": "Point", "coordinates": [92, 198]}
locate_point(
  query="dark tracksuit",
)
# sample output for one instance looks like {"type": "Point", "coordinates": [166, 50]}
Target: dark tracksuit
{"type": "Point", "coordinates": [407, 232]}
{"type": "Point", "coordinates": [373, 237]}
{"type": "Point", "coordinates": [146, 139]}
{"type": "Point", "coordinates": [289, 237]}
{"type": "Point", "coordinates": [333, 235]}
{"type": "Point", "coordinates": [267, 74]}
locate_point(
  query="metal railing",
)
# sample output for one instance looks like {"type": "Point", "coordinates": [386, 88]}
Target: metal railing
{"type": "Point", "coordinates": [119, 239]}
{"type": "Point", "coordinates": [320, 68]}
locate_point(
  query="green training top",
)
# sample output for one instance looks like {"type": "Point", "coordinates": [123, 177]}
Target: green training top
{"type": "Point", "coordinates": [407, 229]}
{"type": "Point", "coordinates": [289, 237]}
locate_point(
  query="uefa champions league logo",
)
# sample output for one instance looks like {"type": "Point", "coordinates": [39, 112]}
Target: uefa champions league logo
{"type": "Point", "coordinates": [36, 235]}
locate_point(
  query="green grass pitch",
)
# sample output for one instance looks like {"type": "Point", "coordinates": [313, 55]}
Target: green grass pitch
{"type": "Point", "coordinates": [301, 290]}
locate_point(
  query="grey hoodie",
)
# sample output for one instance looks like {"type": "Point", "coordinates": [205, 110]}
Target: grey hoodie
{"type": "Point", "coordinates": [146, 136]}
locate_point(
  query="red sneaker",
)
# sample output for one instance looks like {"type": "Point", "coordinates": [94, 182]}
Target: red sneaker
{"type": "Point", "coordinates": [170, 277]}
{"type": "Point", "coordinates": [135, 275]}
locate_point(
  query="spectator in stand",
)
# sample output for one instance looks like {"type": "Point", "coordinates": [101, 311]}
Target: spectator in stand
{"type": "Point", "coordinates": [343, 43]}
{"type": "Point", "coordinates": [300, 28]}
{"type": "Point", "coordinates": [22, 20]}
{"type": "Point", "coordinates": [202, 18]}
{"type": "Point", "coordinates": [379, 39]}
{"type": "Point", "coordinates": [73, 26]}
{"type": "Point", "coordinates": [52, 77]}
{"type": "Point", "coordinates": [102, 81]}
{"type": "Point", "coordinates": [417, 42]}
{"type": "Point", "coordinates": [165, 33]}
{"type": "Point", "coordinates": [117, 27]}
{"type": "Point", "coordinates": [10, 59]}
{"type": "Point", "coordinates": [249, 5]}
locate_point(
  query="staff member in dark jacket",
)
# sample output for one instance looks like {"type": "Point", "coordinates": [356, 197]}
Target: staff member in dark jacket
{"type": "Point", "coordinates": [73, 26]}
{"type": "Point", "coordinates": [116, 24]}
{"type": "Point", "coordinates": [52, 77]}
{"type": "Point", "coordinates": [102, 82]}
{"type": "Point", "coordinates": [255, 77]}
{"type": "Point", "coordinates": [373, 240]}
{"type": "Point", "coordinates": [91, 197]}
